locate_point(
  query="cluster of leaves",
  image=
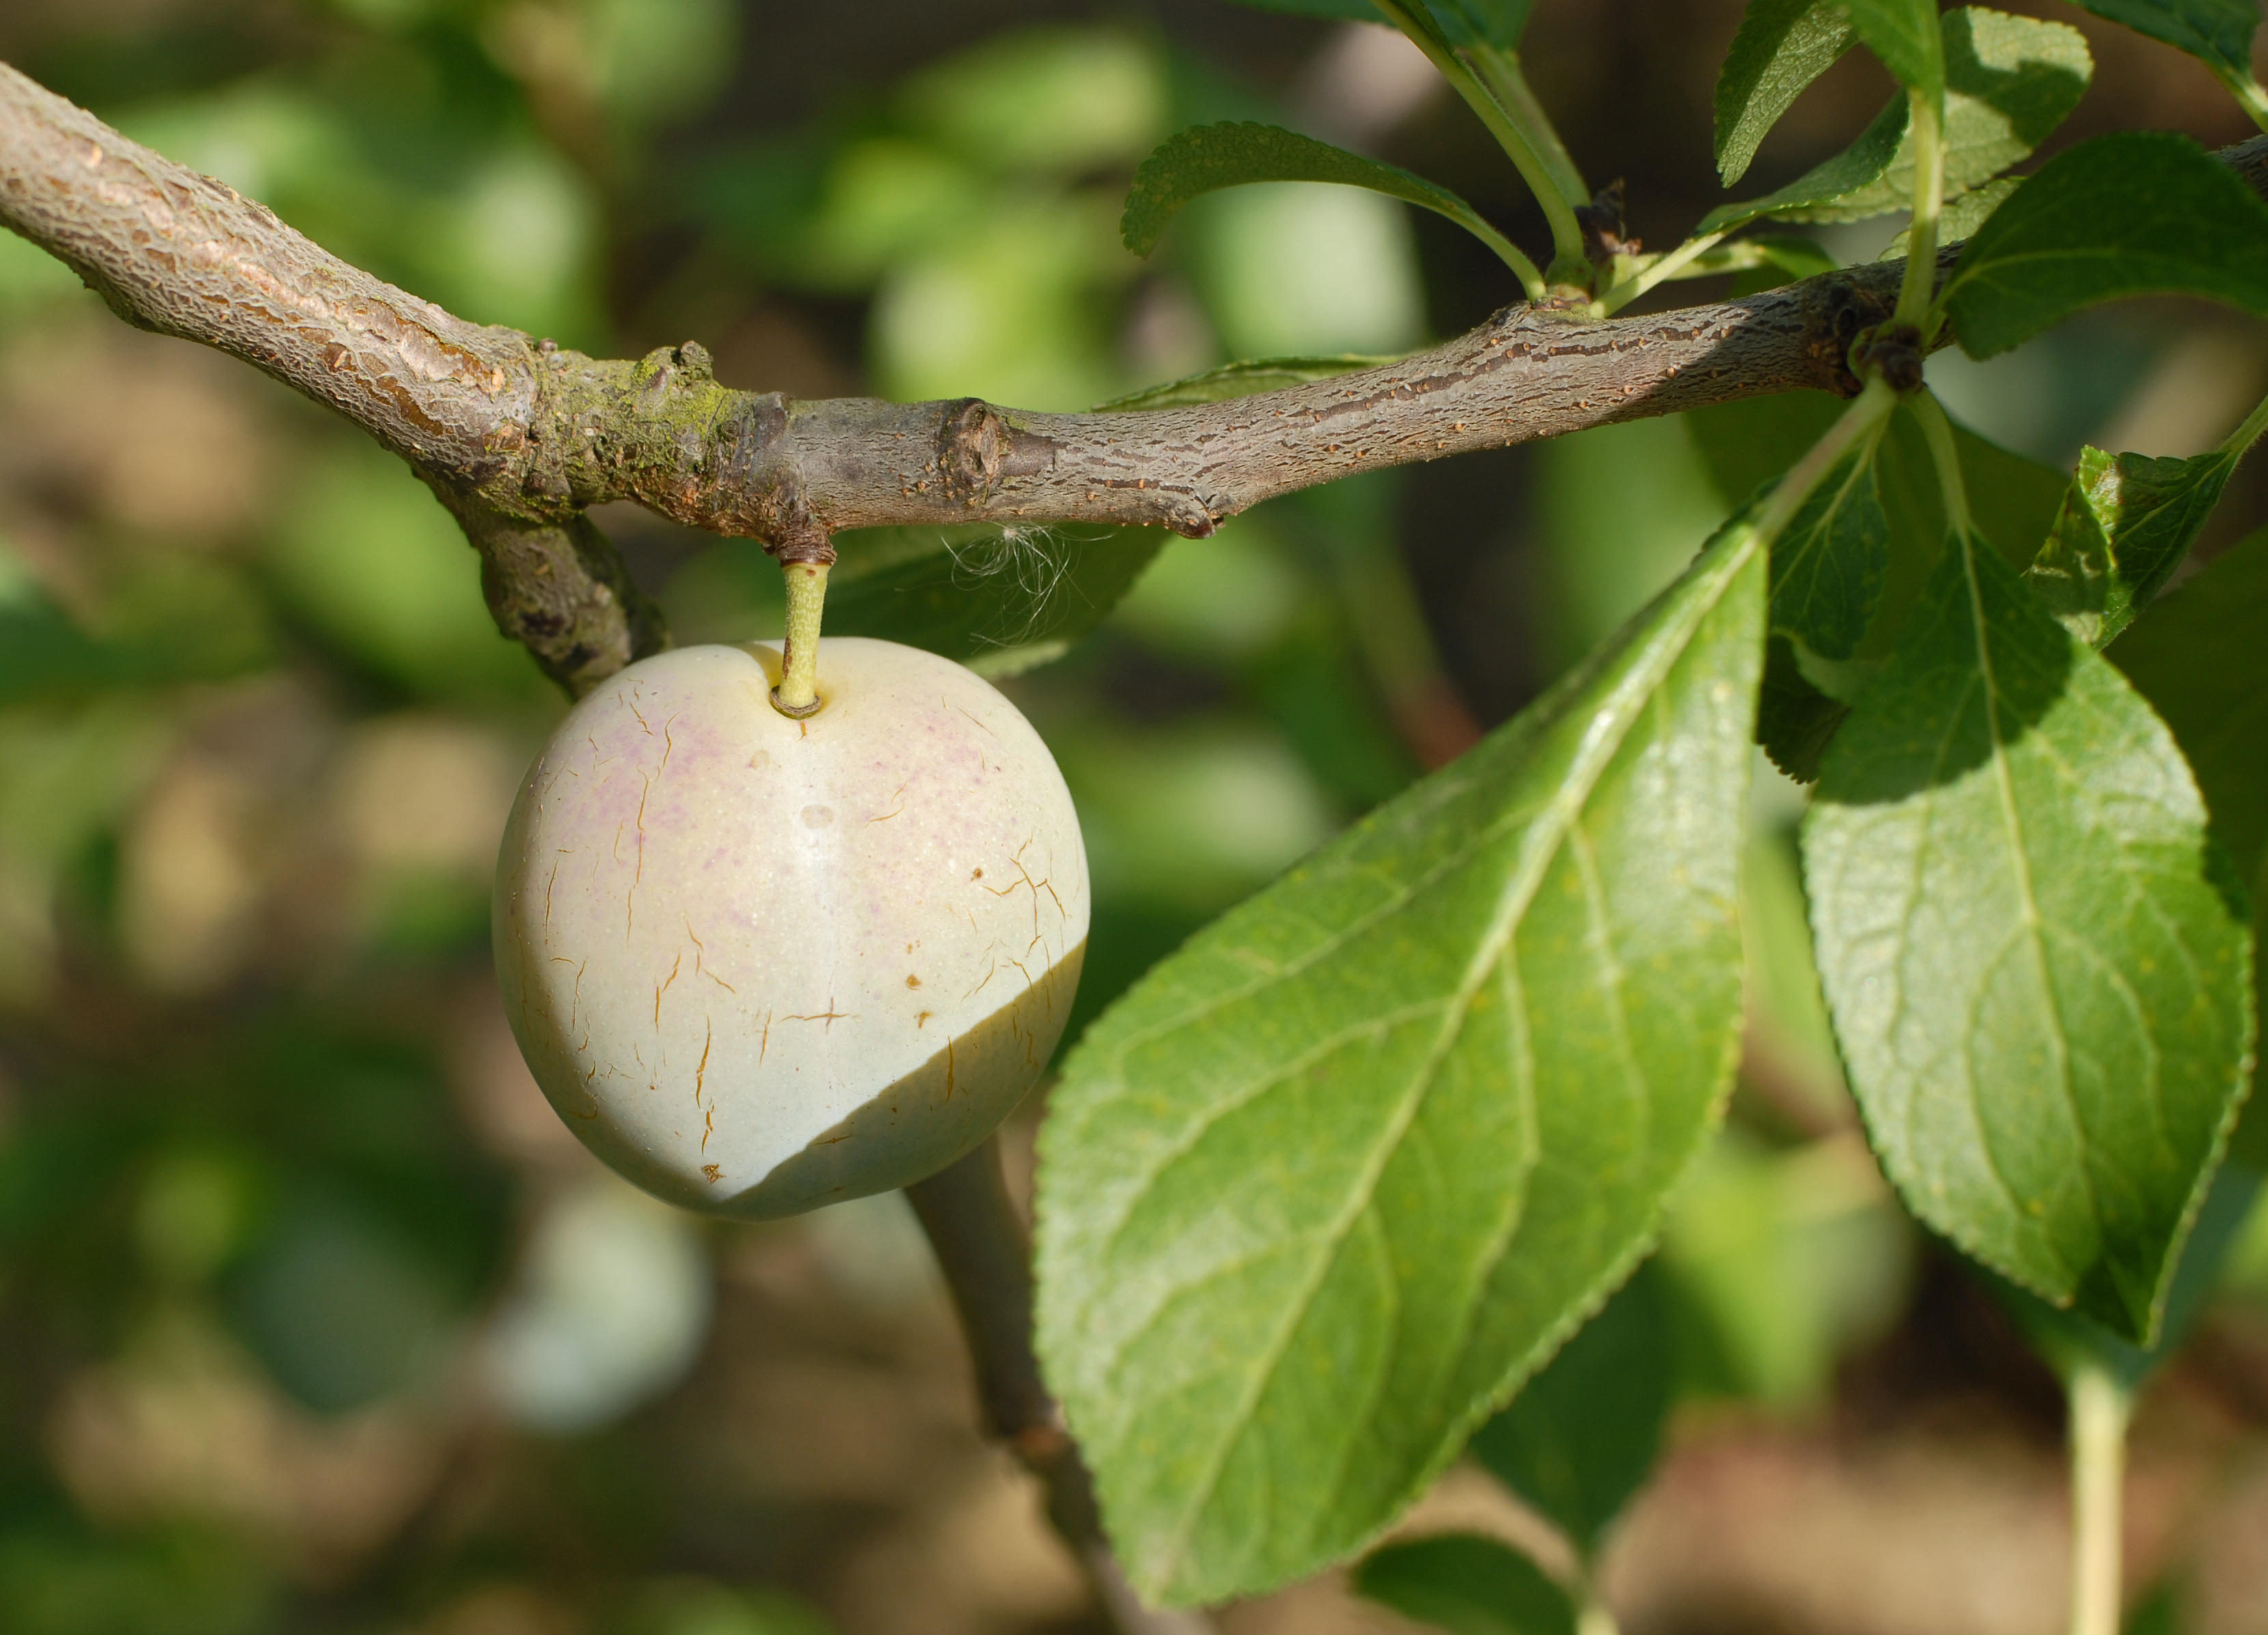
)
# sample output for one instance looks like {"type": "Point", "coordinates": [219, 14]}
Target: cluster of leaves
{"type": "Point", "coordinates": [1329, 1183]}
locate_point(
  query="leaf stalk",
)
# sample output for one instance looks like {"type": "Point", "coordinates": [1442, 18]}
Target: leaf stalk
{"type": "Point", "coordinates": [1937, 431]}
{"type": "Point", "coordinates": [1926, 131]}
{"type": "Point", "coordinates": [2239, 440]}
{"type": "Point", "coordinates": [2250, 97]}
{"type": "Point", "coordinates": [1865, 414]}
{"type": "Point", "coordinates": [1522, 132]}
{"type": "Point", "coordinates": [2100, 1410]}
{"type": "Point", "coordinates": [1499, 68]}
{"type": "Point", "coordinates": [1661, 270]}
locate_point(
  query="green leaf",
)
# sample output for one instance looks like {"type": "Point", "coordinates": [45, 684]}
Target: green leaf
{"type": "Point", "coordinates": [1904, 33]}
{"type": "Point", "coordinates": [1582, 1435]}
{"type": "Point", "coordinates": [2201, 658]}
{"type": "Point", "coordinates": [2066, 1340]}
{"type": "Point", "coordinates": [1791, 256]}
{"type": "Point", "coordinates": [1462, 22]}
{"type": "Point", "coordinates": [1206, 157]}
{"type": "Point", "coordinates": [1781, 47]}
{"type": "Point", "coordinates": [1467, 1585]}
{"type": "Point", "coordinates": [2200, 661]}
{"type": "Point", "coordinates": [1360, 10]}
{"type": "Point", "coordinates": [2039, 986]}
{"type": "Point", "coordinates": [999, 601]}
{"type": "Point", "coordinates": [1853, 171]}
{"type": "Point", "coordinates": [2217, 33]}
{"type": "Point", "coordinates": [1747, 444]}
{"type": "Point", "coordinates": [2138, 213]}
{"type": "Point", "coordinates": [1795, 720]}
{"type": "Point", "coordinates": [1828, 564]}
{"type": "Point", "coordinates": [2126, 524]}
{"type": "Point", "coordinates": [2009, 82]}
{"type": "Point", "coordinates": [1483, 22]}
{"type": "Point", "coordinates": [1242, 380]}
{"type": "Point", "coordinates": [1329, 1182]}
{"type": "Point", "coordinates": [44, 655]}
{"type": "Point", "coordinates": [1963, 215]}
{"type": "Point", "coordinates": [190, 627]}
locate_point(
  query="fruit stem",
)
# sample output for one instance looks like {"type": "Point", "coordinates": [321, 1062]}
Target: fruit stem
{"type": "Point", "coordinates": [798, 692]}
{"type": "Point", "coordinates": [981, 1247]}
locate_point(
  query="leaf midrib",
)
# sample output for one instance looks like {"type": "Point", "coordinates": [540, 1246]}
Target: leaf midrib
{"type": "Point", "coordinates": [1595, 752]}
{"type": "Point", "coordinates": [2012, 821]}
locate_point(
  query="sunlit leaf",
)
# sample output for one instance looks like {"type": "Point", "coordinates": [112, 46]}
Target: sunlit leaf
{"type": "Point", "coordinates": [1853, 171]}
{"type": "Point", "coordinates": [1582, 1435]}
{"type": "Point", "coordinates": [1963, 215]}
{"type": "Point", "coordinates": [1206, 157]}
{"type": "Point", "coordinates": [2137, 213]}
{"type": "Point", "coordinates": [1243, 380]}
{"type": "Point", "coordinates": [2037, 975]}
{"type": "Point", "coordinates": [1904, 33]}
{"type": "Point", "coordinates": [2009, 82]}
{"type": "Point", "coordinates": [1326, 1183]}
{"type": "Point", "coordinates": [1467, 1585]}
{"type": "Point", "coordinates": [2125, 526]}
{"type": "Point", "coordinates": [1781, 47]}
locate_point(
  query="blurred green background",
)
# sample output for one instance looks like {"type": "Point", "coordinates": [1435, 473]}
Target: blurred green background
{"type": "Point", "coordinates": [313, 1318]}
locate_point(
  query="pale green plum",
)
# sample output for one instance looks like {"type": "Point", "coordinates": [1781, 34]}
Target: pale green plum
{"type": "Point", "coordinates": [761, 964]}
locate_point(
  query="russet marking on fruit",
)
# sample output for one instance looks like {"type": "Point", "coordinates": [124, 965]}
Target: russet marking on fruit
{"type": "Point", "coordinates": [689, 903]}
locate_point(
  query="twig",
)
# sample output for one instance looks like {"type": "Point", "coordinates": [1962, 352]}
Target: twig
{"type": "Point", "coordinates": [979, 1244]}
{"type": "Point", "coordinates": [520, 436]}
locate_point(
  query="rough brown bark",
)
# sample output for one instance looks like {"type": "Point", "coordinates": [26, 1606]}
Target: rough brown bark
{"type": "Point", "coordinates": [979, 1241]}
{"type": "Point", "coordinates": [520, 436]}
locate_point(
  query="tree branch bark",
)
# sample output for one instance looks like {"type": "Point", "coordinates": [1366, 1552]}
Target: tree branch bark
{"type": "Point", "coordinates": [979, 1243]}
{"type": "Point", "coordinates": [520, 436]}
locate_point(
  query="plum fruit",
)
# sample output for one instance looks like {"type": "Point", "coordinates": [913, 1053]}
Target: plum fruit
{"type": "Point", "coordinates": [760, 964]}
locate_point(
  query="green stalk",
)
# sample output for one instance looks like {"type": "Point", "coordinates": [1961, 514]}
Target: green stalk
{"type": "Point", "coordinates": [1499, 68]}
{"type": "Point", "coordinates": [1595, 1617]}
{"type": "Point", "coordinates": [798, 692]}
{"type": "Point", "coordinates": [2250, 97]}
{"type": "Point", "coordinates": [1569, 263]}
{"type": "Point", "coordinates": [1864, 415]}
{"type": "Point", "coordinates": [1937, 431]}
{"type": "Point", "coordinates": [1926, 130]}
{"type": "Point", "coordinates": [2244, 437]}
{"type": "Point", "coordinates": [2100, 1408]}
{"type": "Point", "coordinates": [1508, 253]}
{"type": "Point", "coordinates": [1657, 271]}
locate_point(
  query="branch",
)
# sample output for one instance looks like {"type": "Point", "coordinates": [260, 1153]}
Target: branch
{"type": "Point", "coordinates": [979, 1243]}
{"type": "Point", "coordinates": [518, 436]}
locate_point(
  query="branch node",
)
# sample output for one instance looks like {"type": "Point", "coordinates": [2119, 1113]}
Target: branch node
{"type": "Point", "coordinates": [972, 442]}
